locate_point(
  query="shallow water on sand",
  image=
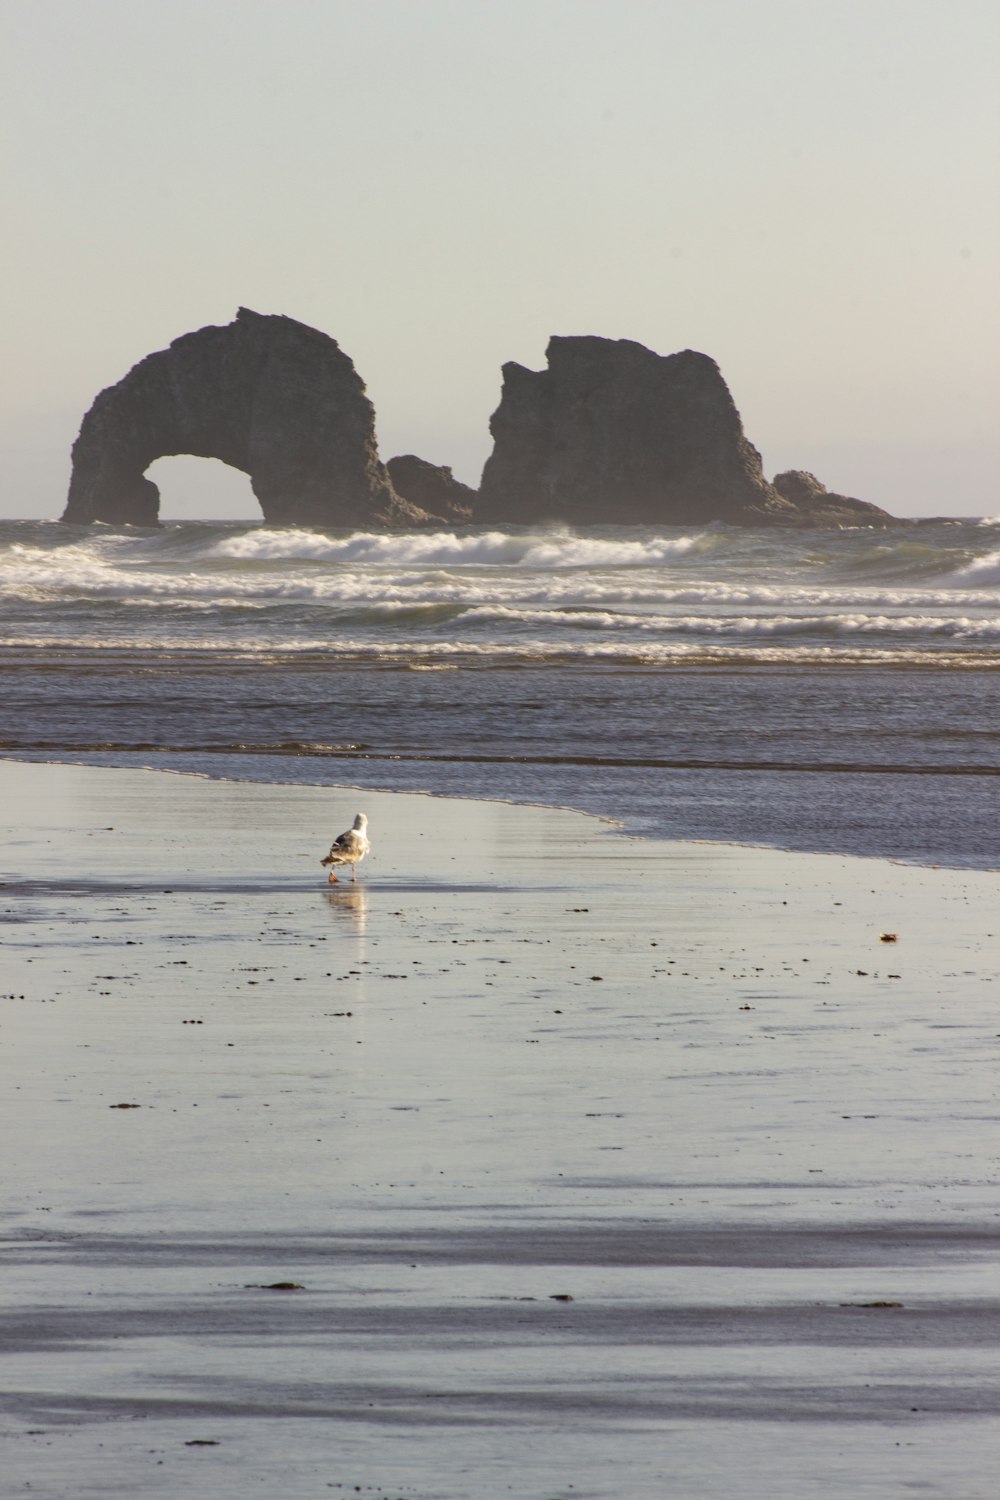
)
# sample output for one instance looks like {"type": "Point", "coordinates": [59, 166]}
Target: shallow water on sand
{"type": "Point", "coordinates": [671, 1178]}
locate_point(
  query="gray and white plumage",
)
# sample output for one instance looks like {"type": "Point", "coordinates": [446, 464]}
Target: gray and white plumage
{"type": "Point", "coordinates": [349, 848]}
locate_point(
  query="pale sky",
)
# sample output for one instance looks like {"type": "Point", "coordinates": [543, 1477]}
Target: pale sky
{"type": "Point", "coordinates": [807, 190]}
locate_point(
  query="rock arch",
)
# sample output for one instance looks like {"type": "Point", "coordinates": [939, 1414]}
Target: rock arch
{"type": "Point", "coordinates": [202, 489]}
{"type": "Point", "coordinates": [265, 394]}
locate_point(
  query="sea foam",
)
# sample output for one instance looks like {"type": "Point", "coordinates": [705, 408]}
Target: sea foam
{"type": "Point", "coordinates": [980, 570]}
{"type": "Point", "coordinates": [448, 549]}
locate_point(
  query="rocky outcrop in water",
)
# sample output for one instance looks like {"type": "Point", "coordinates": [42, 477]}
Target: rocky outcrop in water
{"type": "Point", "coordinates": [610, 432]}
{"type": "Point", "coordinates": [825, 507]}
{"type": "Point", "coordinates": [267, 395]}
{"type": "Point", "coordinates": [433, 488]}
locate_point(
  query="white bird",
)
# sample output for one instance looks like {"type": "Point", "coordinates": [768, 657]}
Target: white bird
{"type": "Point", "coordinates": [350, 848]}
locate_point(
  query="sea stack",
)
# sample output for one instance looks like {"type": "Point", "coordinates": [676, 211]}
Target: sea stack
{"type": "Point", "coordinates": [265, 394]}
{"type": "Point", "coordinates": [611, 433]}
{"type": "Point", "coordinates": [432, 488]}
{"type": "Point", "coordinates": [825, 507]}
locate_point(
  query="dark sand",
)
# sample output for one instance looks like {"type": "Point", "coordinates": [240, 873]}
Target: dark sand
{"type": "Point", "coordinates": [525, 1060]}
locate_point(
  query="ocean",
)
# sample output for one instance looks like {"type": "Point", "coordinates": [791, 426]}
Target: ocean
{"type": "Point", "coordinates": [816, 690]}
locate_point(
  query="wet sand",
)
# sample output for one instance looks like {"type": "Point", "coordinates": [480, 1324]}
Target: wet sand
{"type": "Point", "coordinates": [598, 1166]}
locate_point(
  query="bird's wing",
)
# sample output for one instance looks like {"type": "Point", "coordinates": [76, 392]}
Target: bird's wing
{"type": "Point", "coordinates": [347, 843]}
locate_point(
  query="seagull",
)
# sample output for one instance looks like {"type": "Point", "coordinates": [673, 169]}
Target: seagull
{"type": "Point", "coordinates": [350, 848]}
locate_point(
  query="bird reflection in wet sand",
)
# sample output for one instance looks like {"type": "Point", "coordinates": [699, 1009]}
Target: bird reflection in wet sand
{"type": "Point", "coordinates": [349, 903]}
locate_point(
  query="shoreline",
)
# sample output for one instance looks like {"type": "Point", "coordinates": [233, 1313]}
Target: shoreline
{"type": "Point", "coordinates": [649, 1155]}
{"type": "Point", "coordinates": [238, 773]}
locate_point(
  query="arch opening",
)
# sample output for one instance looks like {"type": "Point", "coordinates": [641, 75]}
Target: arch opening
{"type": "Point", "coordinates": [202, 489]}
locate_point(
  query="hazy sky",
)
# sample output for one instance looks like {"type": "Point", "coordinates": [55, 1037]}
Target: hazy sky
{"type": "Point", "coordinates": [807, 190]}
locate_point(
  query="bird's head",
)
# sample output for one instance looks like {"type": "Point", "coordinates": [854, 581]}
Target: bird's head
{"type": "Point", "coordinates": [361, 821]}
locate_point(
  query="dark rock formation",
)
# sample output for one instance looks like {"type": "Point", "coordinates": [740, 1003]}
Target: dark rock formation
{"type": "Point", "coordinates": [267, 395]}
{"type": "Point", "coordinates": [432, 488]}
{"type": "Point", "coordinates": [824, 507]}
{"type": "Point", "coordinates": [612, 433]}
{"type": "Point", "coordinates": [609, 433]}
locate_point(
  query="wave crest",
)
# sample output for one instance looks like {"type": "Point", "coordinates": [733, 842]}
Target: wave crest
{"type": "Point", "coordinates": [980, 570]}
{"type": "Point", "coordinates": [561, 549]}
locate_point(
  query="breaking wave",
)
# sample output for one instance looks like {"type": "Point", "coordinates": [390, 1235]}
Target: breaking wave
{"type": "Point", "coordinates": [562, 549]}
{"type": "Point", "coordinates": [619, 593]}
{"type": "Point", "coordinates": [981, 570]}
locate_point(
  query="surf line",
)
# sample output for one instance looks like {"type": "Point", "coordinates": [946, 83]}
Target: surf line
{"type": "Point", "coordinates": [428, 757]}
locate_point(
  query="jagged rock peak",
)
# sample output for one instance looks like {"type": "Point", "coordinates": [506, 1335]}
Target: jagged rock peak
{"type": "Point", "coordinates": [612, 432]}
{"type": "Point", "coordinates": [267, 395]}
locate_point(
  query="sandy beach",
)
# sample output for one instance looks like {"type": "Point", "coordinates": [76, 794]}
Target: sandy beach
{"type": "Point", "coordinates": [541, 1162]}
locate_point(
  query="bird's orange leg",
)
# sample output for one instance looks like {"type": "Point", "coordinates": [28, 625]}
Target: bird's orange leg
{"type": "Point", "coordinates": [332, 878]}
